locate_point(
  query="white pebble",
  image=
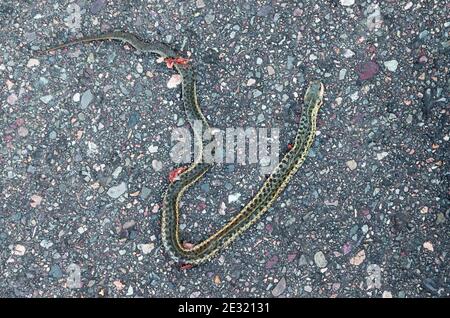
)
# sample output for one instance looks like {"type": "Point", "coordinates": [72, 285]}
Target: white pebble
{"type": "Point", "coordinates": [47, 98]}
{"type": "Point", "coordinates": [32, 62]}
{"type": "Point", "coordinates": [46, 244]}
{"type": "Point", "coordinates": [19, 250]}
{"type": "Point", "coordinates": [354, 97]}
{"type": "Point", "coordinates": [348, 53]}
{"type": "Point", "coordinates": [82, 229]}
{"type": "Point", "coordinates": [320, 260]}
{"type": "Point", "coordinates": [22, 131]}
{"type": "Point", "coordinates": [387, 294]}
{"type": "Point", "coordinates": [428, 246]}
{"type": "Point", "coordinates": [391, 65]}
{"type": "Point", "coordinates": [200, 4]}
{"type": "Point", "coordinates": [408, 6]}
{"type": "Point", "coordinates": [117, 172]}
{"type": "Point", "coordinates": [222, 208]}
{"type": "Point", "coordinates": [251, 82]}
{"type": "Point", "coordinates": [157, 165]}
{"type": "Point", "coordinates": [152, 149]}
{"type": "Point", "coordinates": [147, 248]}
{"type": "Point", "coordinates": [382, 155]}
{"type": "Point", "coordinates": [347, 3]}
{"type": "Point", "coordinates": [174, 81]}
{"type": "Point", "coordinates": [139, 68]}
{"type": "Point", "coordinates": [117, 191]}
{"type": "Point", "coordinates": [76, 97]}
{"type": "Point", "coordinates": [130, 291]}
{"type": "Point", "coordinates": [351, 164]}
{"type": "Point", "coordinates": [233, 197]}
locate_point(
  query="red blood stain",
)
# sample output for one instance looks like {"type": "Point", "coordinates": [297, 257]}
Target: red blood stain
{"type": "Point", "coordinates": [175, 173]}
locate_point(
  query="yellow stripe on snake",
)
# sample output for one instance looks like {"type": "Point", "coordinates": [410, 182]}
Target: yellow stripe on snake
{"type": "Point", "coordinates": [264, 198]}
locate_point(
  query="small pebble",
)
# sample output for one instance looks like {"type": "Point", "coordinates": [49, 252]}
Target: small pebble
{"type": "Point", "coordinates": [279, 288]}
{"type": "Point", "coordinates": [12, 99]}
{"type": "Point", "coordinates": [145, 192]}
{"type": "Point", "coordinates": [233, 197]}
{"type": "Point", "coordinates": [408, 5]}
{"type": "Point", "coordinates": [152, 149]}
{"type": "Point", "coordinates": [348, 53]}
{"type": "Point", "coordinates": [82, 229]}
{"type": "Point", "coordinates": [86, 99]}
{"type": "Point", "coordinates": [139, 68]}
{"type": "Point", "coordinates": [351, 164]}
{"type": "Point", "coordinates": [302, 261]}
{"type": "Point", "coordinates": [347, 3]}
{"type": "Point", "coordinates": [147, 248]}
{"type": "Point", "coordinates": [76, 97]}
{"type": "Point", "coordinates": [290, 62]}
{"type": "Point", "coordinates": [117, 172]}
{"type": "Point", "coordinates": [428, 246]}
{"type": "Point", "coordinates": [200, 4]}
{"type": "Point", "coordinates": [387, 294]}
{"type": "Point", "coordinates": [298, 12]}
{"type": "Point", "coordinates": [256, 93]}
{"type": "Point", "coordinates": [46, 99]}
{"type": "Point", "coordinates": [19, 250]}
{"type": "Point", "coordinates": [55, 271]}
{"type": "Point", "coordinates": [32, 62]}
{"type": "Point", "coordinates": [117, 191]}
{"type": "Point", "coordinates": [391, 65]}
{"type": "Point", "coordinates": [382, 155]}
{"type": "Point", "coordinates": [320, 260]}
{"type": "Point", "coordinates": [358, 258]}
{"type": "Point", "coordinates": [174, 81]}
{"type": "Point", "coordinates": [35, 200]}
{"type": "Point", "coordinates": [157, 165]}
{"type": "Point", "coordinates": [22, 131]}
{"type": "Point", "coordinates": [209, 18]}
{"type": "Point", "coordinates": [46, 244]}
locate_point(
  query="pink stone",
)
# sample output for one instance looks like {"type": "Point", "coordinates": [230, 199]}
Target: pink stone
{"type": "Point", "coordinates": [12, 99]}
{"type": "Point", "coordinates": [367, 70]}
{"type": "Point", "coordinates": [291, 257]}
{"type": "Point", "coordinates": [272, 262]}
{"type": "Point", "coordinates": [347, 248]}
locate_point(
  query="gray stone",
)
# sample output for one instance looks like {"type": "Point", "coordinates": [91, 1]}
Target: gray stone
{"type": "Point", "coordinates": [46, 99]}
{"type": "Point", "coordinates": [145, 192]}
{"type": "Point", "coordinates": [320, 260]}
{"type": "Point", "coordinates": [55, 271]}
{"type": "Point", "coordinates": [279, 288]}
{"type": "Point", "coordinates": [86, 99]}
{"type": "Point", "coordinates": [117, 191]}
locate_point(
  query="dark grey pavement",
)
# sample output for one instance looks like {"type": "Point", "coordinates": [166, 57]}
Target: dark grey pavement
{"type": "Point", "coordinates": [85, 148]}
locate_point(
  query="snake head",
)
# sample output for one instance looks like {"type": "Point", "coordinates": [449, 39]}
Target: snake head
{"type": "Point", "coordinates": [314, 95]}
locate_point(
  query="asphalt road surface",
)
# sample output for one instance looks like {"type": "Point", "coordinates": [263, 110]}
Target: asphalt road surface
{"type": "Point", "coordinates": [85, 142]}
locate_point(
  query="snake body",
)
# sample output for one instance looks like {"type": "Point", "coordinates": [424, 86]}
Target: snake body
{"type": "Point", "coordinates": [266, 195]}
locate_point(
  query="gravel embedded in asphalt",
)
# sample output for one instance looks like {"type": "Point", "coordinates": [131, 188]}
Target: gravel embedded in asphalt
{"type": "Point", "coordinates": [85, 142]}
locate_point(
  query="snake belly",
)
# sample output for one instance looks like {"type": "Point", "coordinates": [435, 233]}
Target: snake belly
{"type": "Point", "coordinates": [266, 195]}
